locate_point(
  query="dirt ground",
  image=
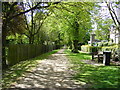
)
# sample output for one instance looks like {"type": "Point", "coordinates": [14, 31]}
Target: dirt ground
{"type": "Point", "coordinates": [53, 72]}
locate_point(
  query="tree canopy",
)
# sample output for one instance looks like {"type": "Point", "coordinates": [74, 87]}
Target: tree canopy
{"type": "Point", "coordinates": [57, 23]}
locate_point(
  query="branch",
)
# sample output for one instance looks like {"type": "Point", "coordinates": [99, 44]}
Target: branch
{"type": "Point", "coordinates": [26, 35]}
{"type": "Point", "coordinates": [63, 18]}
{"type": "Point", "coordinates": [11, 7]}
{"type": "Point", "coordinates": [58, 17]}
{"type": "Point", "coordinates": [112, 9]}
{"type": "Point", "coordinates": [62, 7]}
{"type": "Point", "coordinates": [33, 8]}
{"type": "Point", "coordinates": [27, 28]}
{"type": "Point", "coordinates": [25, 11]}
{"type": "Point", "coordinates": [41, 25]}
{"type": "Point", "coordinates": [111, 14]}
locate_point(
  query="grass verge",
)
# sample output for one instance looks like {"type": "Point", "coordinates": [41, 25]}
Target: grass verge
{"type": "Point", "coordinates": [17, 70]}
{"type": "Point", "coordinates": [96, 76]}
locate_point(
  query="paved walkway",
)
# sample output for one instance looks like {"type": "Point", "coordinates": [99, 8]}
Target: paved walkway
{"type": "Point", "coordinates": [53, 72]}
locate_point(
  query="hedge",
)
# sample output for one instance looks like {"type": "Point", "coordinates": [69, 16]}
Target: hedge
{"type": "Point", "coordinates": [110, 48]}
{"type": "Point", "coordinates": [87, 48]}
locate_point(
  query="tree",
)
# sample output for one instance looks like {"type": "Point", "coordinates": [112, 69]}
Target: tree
{"type": "Point", "coordinates": [33, 27]}
{"type": "Point", "coordinates": [111, 7]}
{"type": "Point", "coordinates": [103, 29]}
{"type": "Point", "coordinates": [11, 12]}
{"type": "Point", "coordinates": [10, 26]}
{"type": "Point", "coordinates": [74, 22]}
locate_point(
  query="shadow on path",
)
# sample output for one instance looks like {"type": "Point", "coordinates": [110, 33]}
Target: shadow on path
{"type": "Point", "coordinates": [53, 72]}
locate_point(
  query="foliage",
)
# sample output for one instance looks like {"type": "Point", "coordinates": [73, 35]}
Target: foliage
{"type": "Point", "coordinates": [34, 21]}
{"type": "Point", "coordinates": [10, 25]}
{"type": "Point", "coordinates": [69, 24]}
{"type": "Point", "coordinates": [15, 25]}
{"type": "Point", "coordinates": [87, 48]}
{"type": "Point", "coordinates": [110, 48]}
{"type": "Point", "coordinates": [17, 39]}
{"type": "Point", "coordinates": [53, 30]}
{"type": "Point", "coordinates": [103, 29]}
{"type": "Point", "coordinates": [13, 21]}
{"type": "Point", "coordinates": [114, 51]}
{"type": "Point", "coordinates": [103, 43]}
{"type": "Point", "coordinates": [67, 14]}
{"type": "Point", "coordinates": [96, 77]}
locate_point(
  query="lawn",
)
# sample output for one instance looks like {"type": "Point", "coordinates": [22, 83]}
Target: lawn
{"type": "Point", "coordinates": [96, 76]}
{"type": "Point", "coordinates": [14, 72]}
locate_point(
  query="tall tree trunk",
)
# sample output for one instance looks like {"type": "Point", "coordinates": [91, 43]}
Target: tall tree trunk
{"type": "Point", "coordinates": [75, 46]}
{"type": "Point", "coordinates": [30, 40]}
{"type": "Point", "coordinates": [119, 44]}
{"type": "Point", "coordinates": [38, 39]}
{"type": "Point", "coordinates": [4, 64]}
{"type": "Point", "coordinates": [76, 36]}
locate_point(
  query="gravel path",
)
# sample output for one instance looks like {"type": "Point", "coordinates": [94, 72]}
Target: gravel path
{"type": "Point", "coordinates": [53, 72]}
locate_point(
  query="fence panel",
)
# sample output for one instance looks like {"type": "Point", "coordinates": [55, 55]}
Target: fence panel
{"type": "Point", "coordinates": [20, 52]}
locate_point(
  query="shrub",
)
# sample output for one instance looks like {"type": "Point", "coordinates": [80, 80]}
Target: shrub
{"type": "Point", "coordinates": [100, 44]}
{"type": "Point", "coordinates": [110, 48]}
{"type": "Point", "coordinates": [87, 48]}
{"type": "Point", "coordinates": [114, 51]}
{"type": "Point", "coordinates": [103, 43]}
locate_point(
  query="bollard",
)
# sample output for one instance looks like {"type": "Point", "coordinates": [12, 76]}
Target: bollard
{"type": "Point", "coordinates": [106, 57]}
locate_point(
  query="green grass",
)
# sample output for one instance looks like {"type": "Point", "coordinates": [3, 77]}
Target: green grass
{"type": "Point", "coordinates": [96, 76]}
{"type": "Point", "coordinates": [13, 73]}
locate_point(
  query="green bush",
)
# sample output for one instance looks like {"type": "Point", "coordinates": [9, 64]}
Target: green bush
{"type": "Point", "coordinates": [110, 48]}
{"type": "Point", "coordinates": [87, 48]}
{"type": "Point", "coordinates": [105, 43]}
{"type": "Point", "coordinates": [114, 51]}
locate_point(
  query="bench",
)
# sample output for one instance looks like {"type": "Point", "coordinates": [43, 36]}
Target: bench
{"type": "Point", "coordinates": [93, 55]}
{"type": "Point", "coordinates": [98, 55]}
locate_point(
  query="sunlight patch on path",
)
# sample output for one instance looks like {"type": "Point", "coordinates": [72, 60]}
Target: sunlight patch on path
{"type": "Point", "coordinates": [53, 72]}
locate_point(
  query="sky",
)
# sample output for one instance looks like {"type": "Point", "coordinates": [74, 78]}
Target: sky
{"type": "Point", "coordinates": [103, 13]}
{"type": "Point", "coordinates": [35, 11]}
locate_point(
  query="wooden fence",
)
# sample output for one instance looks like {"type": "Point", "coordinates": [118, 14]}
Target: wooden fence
{"type": "Point", "coordinates": [20, 52]}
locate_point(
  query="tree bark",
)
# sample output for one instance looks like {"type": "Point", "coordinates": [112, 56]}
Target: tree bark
{"type": "Point", "coordinates": [119, 43]}
{"type": "Point", "coordinates": [75, 46]}
{"type": "Point", "coordinates": [4, 64]}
